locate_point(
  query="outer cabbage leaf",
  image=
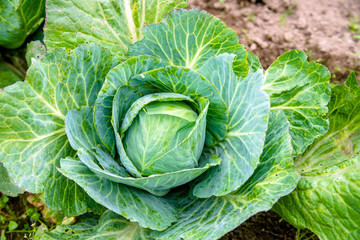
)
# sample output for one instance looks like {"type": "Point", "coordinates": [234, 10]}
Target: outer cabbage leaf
{"type": "Point", "coordinates": [158, 184]}
{"type": "Point", "coordinates": [137, 205]}
{"type": "Point", "coordinates": [80, 129]}
{"type": "Point", "coordinates": [107, 163]}
{"type": "Point", "coordinates": [124, 98]}
{"type": "Point", "coordinates": [339, 142]}
{"type": "Point", "coordinates": [241, 148]}
{"type": "Point", "coordinates": [32, 115]}
{"type": "Point", "coordinates": [8, 74]}
{"type": "Point", "coordinates": [253, 62]}
{"type": "Point", "coordinates": [113, 24]}
{"type": "Point", "coordinates": [326, 200]}
{"type": "Point", "coordinates": [188, 38]}
{"type": "Point", "coordinates": [34, 49]}
{"type": "Point", "coordinates": [18, 19]}
{"type": "Point", "coordinates": [108, 226]}
{"type": "Point", "coordinates": [301, 90]}
{"type": "Point", "coordinates": [7, 185]}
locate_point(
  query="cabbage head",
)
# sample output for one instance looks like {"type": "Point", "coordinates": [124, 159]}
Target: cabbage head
{"type": "Point", "coordinates": [170, 131]}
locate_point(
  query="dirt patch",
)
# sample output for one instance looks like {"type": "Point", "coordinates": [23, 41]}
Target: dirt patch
{"type": "Point", "coordinates": [21, 217]}
{"type": "Point", "coordinates": [325, 30]}
{"type": "Point", "coordinates": [15, 219]}
{"type": "Point", "coordinates": [267, 226]}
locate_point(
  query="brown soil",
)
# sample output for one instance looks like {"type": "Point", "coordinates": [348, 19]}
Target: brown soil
{"type": "Point", "coordinates": [17, 209]}
{"type": "Point", "coordinates": [270, 27]}
{"type": "Point", "coordinates": [268, 226]}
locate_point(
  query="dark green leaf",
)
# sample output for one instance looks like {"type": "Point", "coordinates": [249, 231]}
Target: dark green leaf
{"type": "Point", "coordinates": [18, 19]}
{"type": "Point", "coordinates": [112, 24]}
{"type": "Point", "coordinates": [32, 115]}
{"type": "Point", "coordinates": [7, 186]}
{"type": "Point", "coordinates": [137, 205]}
{"type": "Point", "coordinates": [326, 198]}
{"type": "Point", "coordinates": [189, 38]}
{"type": "Point", "coordinates": [248, 115]}
{"type": "Point", "coordinates": [109, 226]}
{"type": "Point", "coordinates": [301, 90]}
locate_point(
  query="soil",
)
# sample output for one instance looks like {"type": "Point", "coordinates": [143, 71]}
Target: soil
{"type": "Point", "coordinates": [321, 28]}
{"type": "Point", "coordinates": [19, 210]}
{"type": "Point", "coordinates": [262, 226]}
{"type": "Point", "coordinates": [268, 226]}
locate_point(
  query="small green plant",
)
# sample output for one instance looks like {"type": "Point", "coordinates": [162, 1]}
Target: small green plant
{"type": "Point", "coordinates": [304, 234]}
{"type": "Point", "coordinates": [354, 26]}
{"type": "Point", "coordinates": [246, 35]}
{"type": "Point", "coordinates": [18, 218]}
{"type": "Point", "coordinates": [250, 16]}
{"type": "Point", "coordinates": [312, 57]}
{"type": "Point", "coordinates": [290, 10]}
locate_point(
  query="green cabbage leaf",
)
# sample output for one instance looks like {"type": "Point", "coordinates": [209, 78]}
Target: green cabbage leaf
{"type": "Point", "coordinates": [327, 196]}
{"type": "Point", "coordinates": [114, 24]}
{"type": "Point", "coordinates": [19, 19]}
